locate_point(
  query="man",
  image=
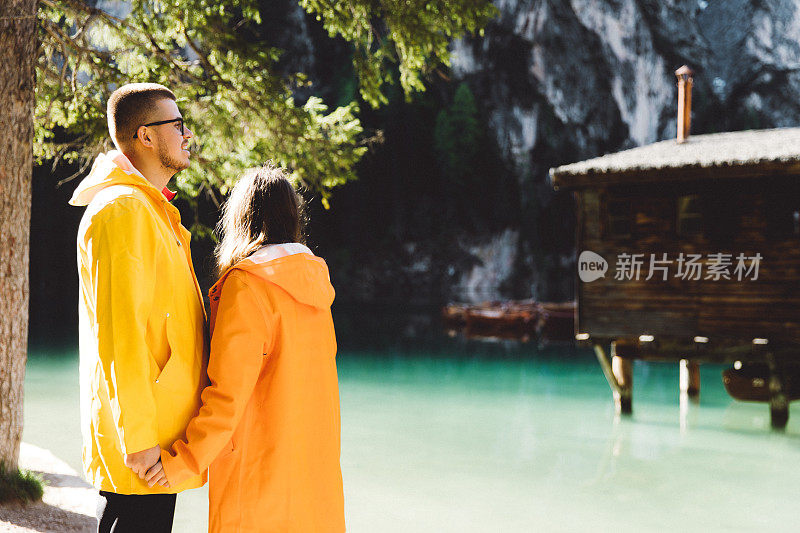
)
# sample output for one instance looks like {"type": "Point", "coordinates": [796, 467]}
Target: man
{"type": "Point", "coordinates": [142, 341]}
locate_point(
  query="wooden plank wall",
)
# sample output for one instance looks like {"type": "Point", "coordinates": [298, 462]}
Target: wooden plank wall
{"type": "Point", "coordinates": [737, 215]}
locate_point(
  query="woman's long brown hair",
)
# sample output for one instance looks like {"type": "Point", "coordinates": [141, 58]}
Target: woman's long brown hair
{"type": "Point", "coordinates": [263, 208]}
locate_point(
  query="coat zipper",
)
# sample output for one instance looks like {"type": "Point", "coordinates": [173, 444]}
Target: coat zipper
{"type": "Point", "coordinates": [169, 220]}
{"type": "Point", "coordinates": [191, 268]}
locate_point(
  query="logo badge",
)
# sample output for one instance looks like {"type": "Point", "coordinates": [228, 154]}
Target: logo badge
{"type": "Point", "coordinates": [591, 266]}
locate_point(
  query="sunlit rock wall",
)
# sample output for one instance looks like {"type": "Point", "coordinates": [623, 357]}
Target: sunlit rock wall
{"type": "Point", "coordinates": [564, 80]}
{"type": "Point", "coordinates": [496, 259]}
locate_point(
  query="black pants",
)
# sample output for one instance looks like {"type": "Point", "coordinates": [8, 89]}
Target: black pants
{"type": "Point", "coordinates": [134, 513]}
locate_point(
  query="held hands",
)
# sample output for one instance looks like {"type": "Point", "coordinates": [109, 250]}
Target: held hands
{"type": "Point", "coordinates": [139, 462]}
{"type": "Point", "coordinates": [156, 475]}
{"type": "Point", "coordinates": [145, 462]}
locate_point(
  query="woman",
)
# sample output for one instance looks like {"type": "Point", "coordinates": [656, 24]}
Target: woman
{"type": "Point", "coordinates": [269, 426]}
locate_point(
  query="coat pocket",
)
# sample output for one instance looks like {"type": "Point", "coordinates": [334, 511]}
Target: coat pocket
{"type": "Point", "coordinates": [173, 373]}
{"type": "Point", "coordinates": [166, 378]}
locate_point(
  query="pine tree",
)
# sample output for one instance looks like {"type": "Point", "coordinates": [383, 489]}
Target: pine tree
{"type": "Point", "coordinates": [241, 104]}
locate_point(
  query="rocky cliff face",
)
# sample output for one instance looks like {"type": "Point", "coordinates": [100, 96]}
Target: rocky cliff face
{"type": "Point", "coordinates": [557, 81]}
{"type": "Point", "coordinates": [561, 81]}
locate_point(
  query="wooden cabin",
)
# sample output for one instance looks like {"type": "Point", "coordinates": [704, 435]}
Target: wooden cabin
{"type": "Point", "coordinates": [696, 216]}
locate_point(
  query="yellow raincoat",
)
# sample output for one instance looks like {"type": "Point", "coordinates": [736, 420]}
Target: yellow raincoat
{"type": "Point", "coordinates": [141, 322]}
{"type": "Point", "coordinates": [269, 426]}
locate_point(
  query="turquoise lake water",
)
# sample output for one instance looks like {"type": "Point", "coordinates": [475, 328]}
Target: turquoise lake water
{"type": "Point", "coordinates": [442, 434]}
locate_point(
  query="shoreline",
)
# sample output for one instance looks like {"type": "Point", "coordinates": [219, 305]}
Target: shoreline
{"type": "Point", "coordinates": [68, 504]}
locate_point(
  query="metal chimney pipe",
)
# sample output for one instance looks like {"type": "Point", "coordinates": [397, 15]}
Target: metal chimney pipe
{"type": "Point", "coordinates": [684, 75]}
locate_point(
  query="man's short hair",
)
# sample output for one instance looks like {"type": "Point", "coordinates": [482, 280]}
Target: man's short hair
{"type": "Point", "coordinates": [131, 106]}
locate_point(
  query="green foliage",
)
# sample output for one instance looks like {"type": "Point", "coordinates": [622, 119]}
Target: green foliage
{"type": "Point", "coordinates": [20, 486]}
{"type": "Point", "coordinates": [411, 34]}
{"type": "Point", "coordinates": [239, 104]}
{"type": "Point", "coordinates": [482, 192]}
{"type": "Point", "coordinates": [457, 135]}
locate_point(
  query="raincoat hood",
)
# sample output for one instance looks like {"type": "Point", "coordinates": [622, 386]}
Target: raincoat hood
{"type": "Point", "coordinates": [293, 268]}
{"type": "Point", "coordinates": [112, 168]}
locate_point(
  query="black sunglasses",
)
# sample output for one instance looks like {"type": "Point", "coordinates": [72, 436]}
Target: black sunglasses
{"type": "Point", "coordinates": [159, 123]}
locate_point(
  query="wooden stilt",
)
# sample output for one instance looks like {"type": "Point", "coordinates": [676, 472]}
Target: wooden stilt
{"type": "Point", "coordinates": [778, 401]}
{"type": "Point", "coordinates": [690, 378]}
{"type": "Point", "coordinates": [619, 375]}
{"type": "Point", "coordinates": [605, 364]}
{"type": "Point", "coordinates": [622, 368]}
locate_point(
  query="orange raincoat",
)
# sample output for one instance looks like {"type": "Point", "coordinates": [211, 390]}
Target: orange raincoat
{"type": "Point", "coordinates": [269, 425]}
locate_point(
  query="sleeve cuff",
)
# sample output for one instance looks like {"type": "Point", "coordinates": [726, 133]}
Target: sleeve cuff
{"type": "Point", "coordinates": [175, 472]}
{"type": "Point", "coordinates": [138, 444]}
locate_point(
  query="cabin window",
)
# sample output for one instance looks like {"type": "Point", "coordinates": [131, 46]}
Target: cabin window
{"type": "Point", "coordinates": [590, 201]}
{"type": "Point", "coordinates": [690, 215]}
{"type": "Point", "coordinates": [782, 214]}
{"type": "Point", "coordinates": [721, 215]}
{"type": "Point", "coordinates": [619, 218]}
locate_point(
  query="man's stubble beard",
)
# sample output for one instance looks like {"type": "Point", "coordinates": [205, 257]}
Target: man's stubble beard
{"type": "Point", "coordinates": [169, 162]}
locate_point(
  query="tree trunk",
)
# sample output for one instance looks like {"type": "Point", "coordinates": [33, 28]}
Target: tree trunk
{"type": "Point", "coordinates": [18, 48]}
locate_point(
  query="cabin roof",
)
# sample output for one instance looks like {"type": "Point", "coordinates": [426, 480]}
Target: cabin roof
{"type": "Point", "coordinates": [736, 154]}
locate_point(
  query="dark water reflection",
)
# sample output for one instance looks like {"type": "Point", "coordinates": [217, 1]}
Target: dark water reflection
{"type": "Point", "coordinates": [408, 330]}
